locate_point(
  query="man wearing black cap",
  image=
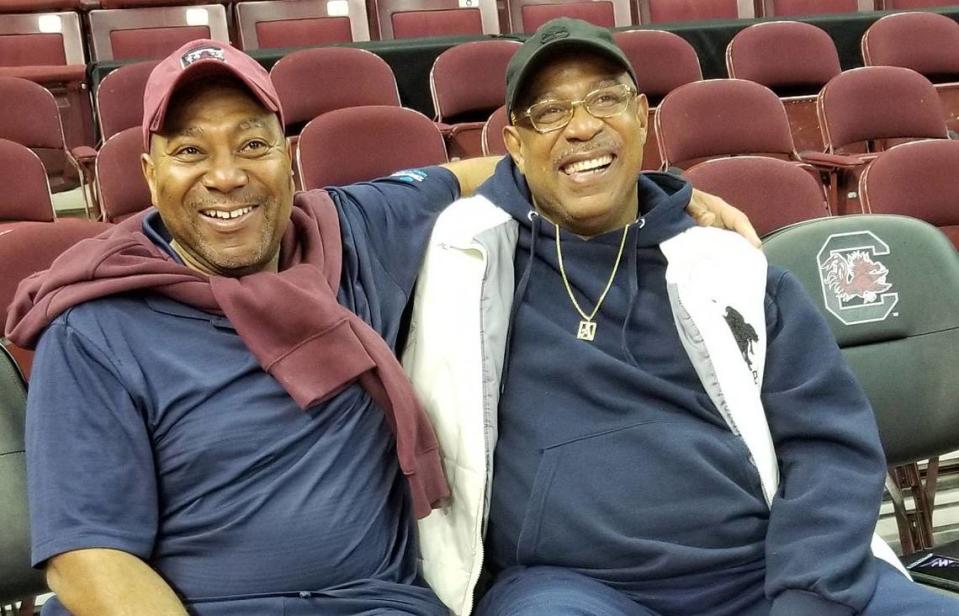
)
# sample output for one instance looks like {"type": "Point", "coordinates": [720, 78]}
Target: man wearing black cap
{"type": "Point", "coordinates": [216, 421]}
{"type": "Point", "coordinates": [638, 417]}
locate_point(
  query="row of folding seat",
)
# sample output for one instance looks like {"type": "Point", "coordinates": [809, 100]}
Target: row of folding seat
{"type": "Point", "coordinates": [663, 61]}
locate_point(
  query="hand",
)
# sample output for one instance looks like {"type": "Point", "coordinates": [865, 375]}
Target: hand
{"type": "Point", "coordinates": [709, 210]}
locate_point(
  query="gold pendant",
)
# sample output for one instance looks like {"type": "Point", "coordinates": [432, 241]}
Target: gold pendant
{"type": "Point", "coordinates": [587, 331]}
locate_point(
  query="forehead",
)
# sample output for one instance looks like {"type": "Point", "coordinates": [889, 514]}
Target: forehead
{"type": "Point", "coordinates": [216, 103]}
{"type": "Point", "coordinates": [574, 73]}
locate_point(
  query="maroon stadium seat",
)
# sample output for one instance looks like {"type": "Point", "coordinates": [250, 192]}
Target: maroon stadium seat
{"type": "Point", "coordinates": [414, 141]}
{"type": "Point", "coordinates": [351, 77]}
{"type": "Point", "coordinates": [660, 11]}
{"type": "Point", "coordinates": [917, 179]}
{"type": "Point", "coordinates": [528, 15]}
{"type": "Point", "coordinates": [39, 6]}
{"type": "Point", "coordinates": [47, 48]}
{"type": "Point", "coordinates": [493, 144]}
{"type": "Point", "coordinates": [891, 5]}
{"type": "Point", "coordinates": [796, 60]}
{"type": "Point", "coordinates": [32, 119]}
{"type": "Point", "coordinates": [305, 23]}
{"type": "Point", "coordinates": [865, 107]}
{"type": "Point", "coordinates": [468, 82]}
{"type": "Point", "coordinates": [663, 61]}
{"type": "Point", "coordinates": [420, 18]}
{"type": "Point", "coordinates": [773, 193]}
{"type": "Point", "coordinates": [153, 31]}
{"type": "Point", "coordinates": [927, 43]}
{"type": "Point", "coordinates": [865, 110]}
{"type": "Point", "coordinates": [120, 183]}
{"type": "Point", "coordinates": [26, 194]}
{"type": "Point", "coordinates": [792, 8]}
{"type": "Point", "coordinates": [721, 117]}
{"type": "Point", "coordinates": [120, 97]}
{"type": "Point", "coordinates": [28, 247]}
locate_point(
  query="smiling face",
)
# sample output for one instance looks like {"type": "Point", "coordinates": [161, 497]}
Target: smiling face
{"type": "Point", "coordinates": [583, 176]}
{"type": "Point", "coordinates": [219, 173]}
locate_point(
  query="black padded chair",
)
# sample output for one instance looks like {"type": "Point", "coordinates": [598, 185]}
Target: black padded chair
{"type": "Point", "coordinates": [889, 287]}
{"type": "Point", "coordinates": [18, 581]}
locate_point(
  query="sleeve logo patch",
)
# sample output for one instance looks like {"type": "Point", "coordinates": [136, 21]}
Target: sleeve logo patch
{"type": "Point", "coordinates": [410, 175]}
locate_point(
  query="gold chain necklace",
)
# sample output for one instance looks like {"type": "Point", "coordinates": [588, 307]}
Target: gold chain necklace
{"type": "Point", "coordinates": [587, 327]}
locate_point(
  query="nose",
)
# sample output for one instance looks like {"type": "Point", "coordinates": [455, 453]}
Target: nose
{"type": "Point", "coordinates": [225, 174]}
{"type": "Point", "coordinates": [583, 126]}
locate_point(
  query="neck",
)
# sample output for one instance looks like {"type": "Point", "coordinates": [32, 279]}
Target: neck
{"type": "Point", "coordinates": [188, 259]}
{"type": "Point", "coordinates": [620, 216]}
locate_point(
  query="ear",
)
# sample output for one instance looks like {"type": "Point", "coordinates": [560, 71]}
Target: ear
{"type": "Point", "coordinates": [642, 114]}
{"type": "Point", "coordinates": [149, 173]}
{"type": "Point", "coordinates": [514, 145]}
{"type": "Point", "coordinates": [289, 156]}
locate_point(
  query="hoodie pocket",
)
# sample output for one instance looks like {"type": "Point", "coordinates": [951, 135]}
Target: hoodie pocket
{"type": "Point", "coordinates": [666, 492]}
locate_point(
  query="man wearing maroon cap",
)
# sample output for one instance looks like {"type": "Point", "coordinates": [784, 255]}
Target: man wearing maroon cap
{"type": "Point", "coordinates": [216, 420]}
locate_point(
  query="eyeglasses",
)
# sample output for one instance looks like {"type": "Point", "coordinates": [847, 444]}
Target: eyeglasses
{"type": "Point", "coordinates": [548, 116]}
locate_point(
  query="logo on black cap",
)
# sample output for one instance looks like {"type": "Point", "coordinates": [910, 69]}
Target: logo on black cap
{"type": "Point", "coordinates": [201, 53]}
{"type": "Point", "coordinates": [551, 34]}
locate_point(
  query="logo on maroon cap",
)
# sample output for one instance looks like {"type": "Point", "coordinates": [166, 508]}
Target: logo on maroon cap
{"type": "Point", "coordinates": [201, 53]}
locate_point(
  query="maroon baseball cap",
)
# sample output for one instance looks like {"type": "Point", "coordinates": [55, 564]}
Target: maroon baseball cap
{"type": "Point", "coordinates": [197, 59]}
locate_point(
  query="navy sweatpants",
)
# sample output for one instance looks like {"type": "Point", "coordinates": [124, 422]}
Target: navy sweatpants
{"type": "Point", "coordinates": [550, 591]}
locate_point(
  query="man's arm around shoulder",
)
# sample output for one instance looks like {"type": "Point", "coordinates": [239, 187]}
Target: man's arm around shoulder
{"type": "Point", "coordinates": [104, 582]}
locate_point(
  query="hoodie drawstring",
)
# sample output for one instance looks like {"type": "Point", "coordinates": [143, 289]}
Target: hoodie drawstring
{"type": "Point", "coordinates": [632, 273]}
{"type": "Point", "coordinates": [534, 219]}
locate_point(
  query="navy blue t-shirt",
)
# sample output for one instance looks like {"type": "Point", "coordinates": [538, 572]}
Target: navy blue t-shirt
{"type": "Point", "coordinates": [153, 430]}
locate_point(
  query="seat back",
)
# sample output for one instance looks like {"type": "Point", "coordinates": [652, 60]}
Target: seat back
{"type": "Point", "coordinates": [32, 118]}
{"type": "Point", "coordinates": [120, 97]}
{"type": "Point", "coordinates": [493, 144]}
{"type": "Point", "coordinates": [266, 24]}
{"type": "Point", "coordinates": [26, 248]}
{"type": "Point", "coordinates": [889, 289]}
{"type": "Point", "coordinates": [659, 11]}
{"type": "Point", "coordinates": [153, 31]}
{"type": "Point", "coordinates": [123, 189]}
{"type": "Point", "coordinates": [529, 15]}
{"type": "Point", "coordinates": [421, 18]}
{"type": "Point", "coordinates": [470, 78]}
{"type": "Point", "coordinates": [891, 5]}
{"type": "Point", "coordinates": [917, 179]}
{"type": "Point", "coordinates": [35, 6]}
{"type": "Point", "coordinates": [783, 54]}
{"type": "Point", "coordinates": [48, 49]}
{"type": "Point", "coordinates": [721, 117]}
{"type": "Point", "coordinates": [351, 77]}
{"type": "Point", "coordinates": [40, 39]}
{"type": "Point", "coordinates": [791, 8]}
{"type": "Point", "coordinates": [876, 103]}
{"type": "Point", "coordinates": [794, 59]}
{"type": "Point", "coordinates": [663, 61]}
{"type": "Point", "coordinates": [928, 43]}
{"type": "Point", "coordinates": [773, 193]}
{"type": "Point", "coordinates": [26, 192]}
{"type": "Point", "coordinates": [18, 580]}
{"type": "Point", "coordinates": [414, 141]}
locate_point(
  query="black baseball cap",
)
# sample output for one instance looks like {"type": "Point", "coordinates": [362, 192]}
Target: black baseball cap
{"type": "Point", "coordinates": [562, 33]}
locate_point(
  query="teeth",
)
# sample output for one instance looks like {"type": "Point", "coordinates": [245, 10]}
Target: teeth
{"type": "Point", "coordinates": [588, 165]}
{"type": "Point", "coordinates": [228, 215]}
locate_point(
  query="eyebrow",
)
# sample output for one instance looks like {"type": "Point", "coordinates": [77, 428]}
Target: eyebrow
{"type": "Point", "coordinates": [253, 122]}
{"type": "Point", "coordinates": [549, 95]}
{"type": "Point", "coordinates": [189, 131]}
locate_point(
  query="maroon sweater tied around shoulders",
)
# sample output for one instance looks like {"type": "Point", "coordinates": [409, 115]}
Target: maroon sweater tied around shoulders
{"type": "Point", "coordinates": [290, 321]}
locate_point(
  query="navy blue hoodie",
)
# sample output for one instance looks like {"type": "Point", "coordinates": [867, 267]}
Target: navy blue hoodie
{"type": "Point", "coordinates": [613, 461]}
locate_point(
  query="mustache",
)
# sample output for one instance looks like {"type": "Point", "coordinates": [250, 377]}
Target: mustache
{"type": "Point", "coordinates": [600, 142]}
{"type": "Point", "coordinates": [235, 199]}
